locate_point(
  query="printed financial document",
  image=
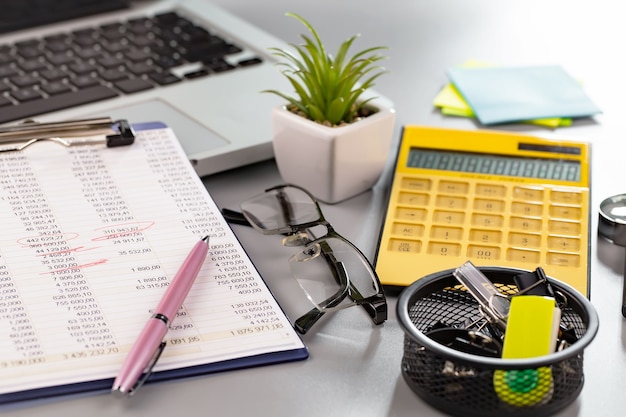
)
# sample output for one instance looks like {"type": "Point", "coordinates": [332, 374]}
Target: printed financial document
{"type": "Point", "coordinates": [91, 237]}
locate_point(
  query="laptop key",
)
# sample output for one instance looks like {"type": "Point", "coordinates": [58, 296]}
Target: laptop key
{"type": "Point", "coordinates": [33, 64]}
{"type": "Point", "coordinates": [112, 74]}
{"type": "Point", "coordinates": [7, 71]}
{"type": "Point", "coordinates": [164, 78]}
{"type": "Point", "coordinates": [24, 80]}
{"type": "Point", "coordinates": [219, 65]}
{"type": "Point", "coordinates": [26, 94]}
{"type": "Point", "coordinates": [61, 59]}
{"type": "Point", "coordinates": [55, 87]}
{"type": "Point", "coordinates": [80, 67]}
{"type": "Point", "coordinates": [52, 74]}
{"type": "Point", "coordinates": [133, 85]}
{"type": "Point", "coordinates": [83, 81]}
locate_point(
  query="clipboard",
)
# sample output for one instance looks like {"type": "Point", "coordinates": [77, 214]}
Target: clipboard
{"type": "Point", "coordinates": [126, 263]}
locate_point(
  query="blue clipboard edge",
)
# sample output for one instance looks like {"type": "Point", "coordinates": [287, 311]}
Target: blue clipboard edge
{"type": "Point", "coordinates": [104, 385]}
{"type": "Point", "coordinates": [148, 125]}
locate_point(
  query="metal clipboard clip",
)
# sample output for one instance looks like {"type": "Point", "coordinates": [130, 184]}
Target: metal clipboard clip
{"type": "Point", "coordinates": [68, 133]}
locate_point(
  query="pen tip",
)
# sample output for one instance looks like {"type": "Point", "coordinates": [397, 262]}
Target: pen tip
{"type": "Point", "coordinates": [206, 238]}
{"type": "Point", "coordinates": [118, 392]}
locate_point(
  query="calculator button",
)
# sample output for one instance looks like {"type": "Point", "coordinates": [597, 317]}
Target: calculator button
{"type": "Point", "coordinates": [399, 245]}
{"type": "Point", "coordinates": [450, 202]}
{"type": "Point", "coordinates": [408, 230]}
{"type": "Point", "coordinates": [483, 252]}
{"type": "Point", "coordinates": [487, 220]}
{"type": "Point", "coordinates": [446, 233]}
{"type": "Point", "coordinates": [527, 209]}
{"type": "Point", "coordinates": [481, 204]}
{"type": "Point", "coordinates": [567, 197]}
{"type": "Point", "coordinates": [485, 236]}
{"type": "Point", "coordinates": [453, 187]}
{"type": "Point", "coordinates": [413, 199]}
{"type": "Point", "coordinates": [526, 224]}
{"type": "Point", "coordinates": [416, 184]}
{"type": "Point", "coordinates": [565, 212]}
{"type": "Point", "coordinates": [563, 259]}
{"type": "Point", "coordinates": [448, 217]}
{"type": "Point", "coordinates": [524, 240]}
{"type": "Point", "coordinates": [444, 249]}
{"type": "Point", "coordinates": [410, 214]}
{"type": "Point", "coordinates": [490, 190]}
{"type": "Point", "coordinates": [521, 255]}
{"type": "Point", "coordinates": [567, 244]}
{"type": "Point", "coordinates": [564, 228]}
{"type": "Point", "coordinates": [528, 194]}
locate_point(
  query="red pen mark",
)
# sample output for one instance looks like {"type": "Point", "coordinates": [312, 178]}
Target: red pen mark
{"type": "Point", "coordinates": [123, 229]}
{"type": "Point", "coordinates": [83, 266]}
{"type": "Point", "coordinates": [46, 240]}
{"type": "Point", "coordinates": [71, 250]}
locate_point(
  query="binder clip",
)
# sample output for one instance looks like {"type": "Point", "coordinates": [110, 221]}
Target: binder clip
{"type": "Point", "coordinates": [493, 305]}
{"type": "Point", "coordinates": [68, 133]}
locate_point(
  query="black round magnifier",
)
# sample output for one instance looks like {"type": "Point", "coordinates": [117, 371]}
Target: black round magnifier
{"type": "Point", "coordinates": [612, 226]}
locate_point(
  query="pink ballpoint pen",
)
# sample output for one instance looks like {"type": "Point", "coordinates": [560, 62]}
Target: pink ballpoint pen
{"type": "Point", "coordinates": [149, 345]}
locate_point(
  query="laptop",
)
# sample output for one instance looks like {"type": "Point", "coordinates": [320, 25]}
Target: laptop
{"type": "Point", "coordinates": [189, 64]}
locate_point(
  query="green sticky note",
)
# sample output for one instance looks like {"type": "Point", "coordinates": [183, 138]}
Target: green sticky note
{"type": "Point", "coordinates": [510, 94]}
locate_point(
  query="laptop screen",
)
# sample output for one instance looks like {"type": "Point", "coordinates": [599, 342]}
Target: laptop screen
{"type": "Point", "coordinates": [22, 14]}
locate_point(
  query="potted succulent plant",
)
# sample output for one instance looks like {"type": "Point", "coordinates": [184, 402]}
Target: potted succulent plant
{"type": "Point", "coordinates": [333, 136]}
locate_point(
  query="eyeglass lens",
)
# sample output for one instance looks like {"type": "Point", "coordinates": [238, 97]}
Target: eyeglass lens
{"type": "Point", "coordinates": [333, 274]}
{"type": "Point", "coordinates": [279, 209]}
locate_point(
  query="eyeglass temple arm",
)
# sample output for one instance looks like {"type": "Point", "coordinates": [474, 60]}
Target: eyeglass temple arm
{"type": "Point", "coordinates": [286, 206]}
{"type": "Point", "coordinates": [305, 322]}
{"type": "Point", "coordinates": [235, 217]}
{"type": "Point", "coordinates": [375, 306]}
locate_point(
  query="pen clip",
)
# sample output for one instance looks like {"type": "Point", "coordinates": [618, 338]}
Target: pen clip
{"type": "Point", "coordinates": [69, 133]}
{"type": "Point", "coordinates": [148, 370]}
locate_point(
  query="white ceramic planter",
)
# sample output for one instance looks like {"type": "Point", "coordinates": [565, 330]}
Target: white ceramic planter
{"type": "Point", "coordinates": [332, 163]}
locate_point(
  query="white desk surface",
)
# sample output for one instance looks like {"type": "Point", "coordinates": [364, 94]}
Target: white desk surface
{"type": "Point", "coordinates": [354, 367]}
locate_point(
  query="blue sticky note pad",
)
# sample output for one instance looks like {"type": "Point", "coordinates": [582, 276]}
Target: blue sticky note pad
{"type": "Point", "coordinates": [508, 94]}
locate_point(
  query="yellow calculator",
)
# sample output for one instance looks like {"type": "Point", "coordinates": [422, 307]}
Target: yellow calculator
{"type": "Point", "coordinates": [495, 198]}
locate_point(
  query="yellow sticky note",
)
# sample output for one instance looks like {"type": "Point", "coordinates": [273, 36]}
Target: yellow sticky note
{"type": "Point", "coordinates": [451, 102]}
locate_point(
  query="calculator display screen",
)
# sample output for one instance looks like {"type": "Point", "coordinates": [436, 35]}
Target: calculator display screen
{"type": "Point", "coordinates": [514, 166]}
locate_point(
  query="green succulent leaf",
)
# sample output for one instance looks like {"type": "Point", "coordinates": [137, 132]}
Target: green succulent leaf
{"type": "Point", "coordinates": [327, 89]}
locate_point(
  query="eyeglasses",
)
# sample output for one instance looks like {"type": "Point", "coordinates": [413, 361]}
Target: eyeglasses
{"type": "Point", "coordinates": [332, 272]}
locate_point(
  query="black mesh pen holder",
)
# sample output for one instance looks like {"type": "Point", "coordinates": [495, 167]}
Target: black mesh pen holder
{"type": "Point", "coordinates": [464, 384]}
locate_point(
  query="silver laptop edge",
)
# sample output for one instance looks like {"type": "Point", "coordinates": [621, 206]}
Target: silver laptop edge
{"type": "Point", "coordinates": [230, 114]}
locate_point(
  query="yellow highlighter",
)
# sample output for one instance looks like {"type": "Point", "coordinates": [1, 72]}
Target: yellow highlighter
{"type": "Point", "coordinates": [531, 331]}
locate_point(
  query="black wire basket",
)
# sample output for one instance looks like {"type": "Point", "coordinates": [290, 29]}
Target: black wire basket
{"type": "Point", "coordinates": [466, 385]}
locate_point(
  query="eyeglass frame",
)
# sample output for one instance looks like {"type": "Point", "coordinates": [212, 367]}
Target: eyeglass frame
{"type": "Point", "coordinates": [375, 305]}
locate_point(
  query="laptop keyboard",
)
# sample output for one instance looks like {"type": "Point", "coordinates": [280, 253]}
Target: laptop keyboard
{"type": "Point", "coordinates": [84, 66]}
